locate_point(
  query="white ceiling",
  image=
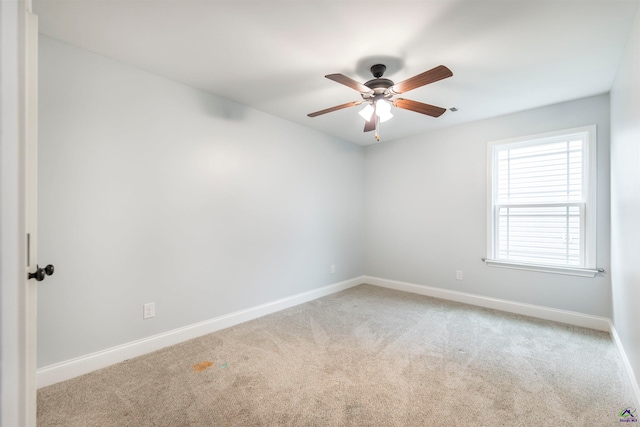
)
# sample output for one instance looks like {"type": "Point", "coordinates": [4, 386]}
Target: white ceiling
{"type": "Point", "coordinates": [506, 56]}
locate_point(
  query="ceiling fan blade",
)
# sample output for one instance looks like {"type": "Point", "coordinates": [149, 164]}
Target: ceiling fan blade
{"type": "Point", "coordinates": [336, 108]}
{"type": "Point", "coordinates": [433, 75]}
{"type": "Point", "coordinates": [349, 82]}
{"type": "Point", "coordinates": [419, 107]}
{"type": "Point", "coordinates": [370, 124]}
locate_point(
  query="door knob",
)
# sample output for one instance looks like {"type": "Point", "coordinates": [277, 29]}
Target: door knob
{"type": "Point", "coordinates": [41, 273]}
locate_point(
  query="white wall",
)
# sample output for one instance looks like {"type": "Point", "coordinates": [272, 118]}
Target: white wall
{"type": "Point", "coordinates": [426, 212]}
{"type": "Point", "coordinates": [625, 199]}
{"type": "Point", "coordinates": [151, 191]}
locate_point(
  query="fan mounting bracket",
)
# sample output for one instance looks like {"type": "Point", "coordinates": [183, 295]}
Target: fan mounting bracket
{"type": "Point", "coordinates": [378, 70]}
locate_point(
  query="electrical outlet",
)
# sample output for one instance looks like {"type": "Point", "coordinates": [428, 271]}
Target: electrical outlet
{"type": "Point", "coordinates": [459, 274]}
{"type": "Point", "coordinates": [149, 310]}
{"type": "Point", "coordinates": [333, 269]}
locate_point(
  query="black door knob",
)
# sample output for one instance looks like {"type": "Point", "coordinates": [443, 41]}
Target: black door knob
{"type": "Point", "coordinates": [41, 273]}
{"type": "Point", "coordinates": [49, 270]}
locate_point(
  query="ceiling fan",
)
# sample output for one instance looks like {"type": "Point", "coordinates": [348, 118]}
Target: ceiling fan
{"type": "Point", "coordinates": [378, 95]}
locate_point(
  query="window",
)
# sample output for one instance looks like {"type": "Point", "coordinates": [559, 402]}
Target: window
{"type": "Point", "coordinates": [542, 202]}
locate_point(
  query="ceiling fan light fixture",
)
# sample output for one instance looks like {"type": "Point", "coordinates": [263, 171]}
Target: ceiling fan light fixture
{"type": "Point", "coordinates": [378, 95]}
{"type": "Point", "coordinates": [383, 110]}
{"type": "Point", "coordinates": [366, 112]}
{"type": "Point", "coordinates": [384, 117]}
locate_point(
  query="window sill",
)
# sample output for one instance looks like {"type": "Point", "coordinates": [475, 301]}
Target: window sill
{"type": "Point", "coordinates": [571, 271]}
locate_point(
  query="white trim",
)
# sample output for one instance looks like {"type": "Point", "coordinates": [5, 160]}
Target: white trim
{"type": "Point", "coordinates": [72, 368]}
{"type": "Point", "coordinates": [580, 272]}
{"type": "Point", "coordinates": [590, 227]}
{"type": "Point", "coordinates": [540, 312]}
{"type": "Point", "coordinates": [589, 169]}
{"type": "Point", "coordinates": [627, 365]}
{"type": "Point", "coordinates": [31, 170]}
{"type": "Point", "coordinates": [14, 400]}
{"type": "Point", "coordinates": [491, 216]}
{"type": "Point", "coordinates": [547, 136]}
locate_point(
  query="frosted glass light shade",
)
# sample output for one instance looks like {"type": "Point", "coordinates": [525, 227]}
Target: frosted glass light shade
{"type": "Point", "coordinates": [383, 110]}
{"type": "Point", "coordinates": [366, 112]}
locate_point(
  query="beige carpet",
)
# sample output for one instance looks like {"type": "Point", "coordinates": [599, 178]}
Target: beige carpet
{"type": "Point", "coordinates": [367, 356]}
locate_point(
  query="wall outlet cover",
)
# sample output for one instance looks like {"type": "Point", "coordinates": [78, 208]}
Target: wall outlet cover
{"type": "Point", "coordinates": [149, 310]}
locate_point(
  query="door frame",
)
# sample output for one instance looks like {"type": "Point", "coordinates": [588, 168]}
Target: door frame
{"type": "Point", "coordinates": [17, 401]}
{"type": "Point", "coordinates": [31, 188]}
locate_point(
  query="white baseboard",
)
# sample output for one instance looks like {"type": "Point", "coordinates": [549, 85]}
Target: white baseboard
{"type": "Point", "coordinates": [562, 316]}
{"type": "Point", "coordinates": [68, 369]}
{"type": "Point", "coordinates": [627, 365]}
{"type": "Point", "coordinates": [62, 371]}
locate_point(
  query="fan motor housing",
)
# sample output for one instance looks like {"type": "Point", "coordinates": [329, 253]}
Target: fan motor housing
{"type": "Point", "coordinates": [378, 84]}
{"type": "Point", "coordinates": [379, 88]}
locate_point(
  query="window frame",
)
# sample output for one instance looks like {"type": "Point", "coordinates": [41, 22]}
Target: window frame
{"type": "Point", "coordinates": [588, 205]}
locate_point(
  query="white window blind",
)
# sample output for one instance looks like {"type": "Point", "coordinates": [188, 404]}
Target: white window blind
{"type": "Point", "coordinates": [541, 200]}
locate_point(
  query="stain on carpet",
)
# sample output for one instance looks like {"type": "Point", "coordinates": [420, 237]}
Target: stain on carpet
{"type": "Point", "coordinates": [199, 367]}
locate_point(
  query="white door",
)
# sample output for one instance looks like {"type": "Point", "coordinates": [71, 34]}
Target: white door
{"type": "Point", "coordinates": [18, 122]}
{"type": "Point", "coordinates": [35, 273]}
